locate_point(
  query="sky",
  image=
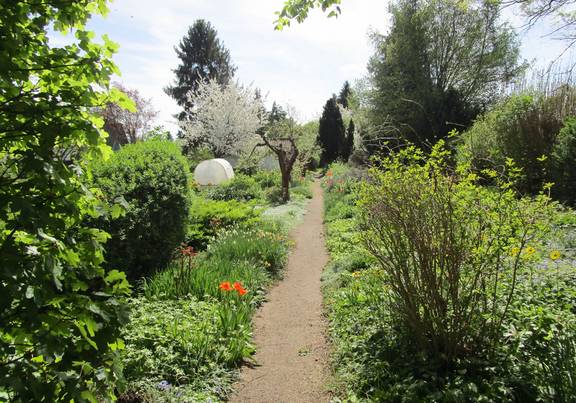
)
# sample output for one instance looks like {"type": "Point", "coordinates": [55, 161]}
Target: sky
{"type": "Point", "coordinates": [301, 66]}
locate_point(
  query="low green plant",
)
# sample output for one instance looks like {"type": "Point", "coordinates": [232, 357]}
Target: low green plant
{"type": "Point", "coordinates": [250, 257]}
{"type": "Point", "coordinates": [264, 246]}
{"type": "Point", "coordinates": [152, 177]}
{"type": "Point", "coordinates": [241, 188]}
{"type": "Point", "coordinates": [208, 217]}
{"type": "Point", "coordinates": [184, 348]}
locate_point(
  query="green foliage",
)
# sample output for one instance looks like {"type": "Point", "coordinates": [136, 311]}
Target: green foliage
{"type": "Point", "coordinates": [60, 311]}
{"type": "Point", "coordinates": [207, 217]}
{"type": "Point", "coordinates": [153, 179]}
{"type": "Point", "coordinates": [267, 179]}
{"type": "Point", "coordinates": [432, 73]}
{"type": "Point", "coordinates": [176, 348]}
{"type": "Point", "coordinates": [450, 249]}
{"type": "Point", "coordinates": [376, 357]}
{"type": "Point", "coordinates": [524, 127]}
{"type": "Point", "coordinates": [298, 10]}
{"type": "Point", "coordinates": [563, 159]}
{"type": "Point", "coordinates": [264, 246]}
{"type": "Point", "coordinates": [241, 188]}
{"type": "Point", "coordinates": [331, 133]}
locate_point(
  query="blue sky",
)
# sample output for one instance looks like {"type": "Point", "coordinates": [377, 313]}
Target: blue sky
{"type": "Point", "coordinates": [302, 65]}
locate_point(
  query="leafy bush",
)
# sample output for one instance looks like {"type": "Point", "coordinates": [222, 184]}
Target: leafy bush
{"type": "Point", "coordinates": [523, 127]}
{"type": "Point", "coordinates": [208, 217]}
{"type": "Point", "coordinates": [183, 350]}
{"type": "Point", "coordinates": [376, 358]}
{"type": "Point", "coordinates": [267, 179]}
{"type": "Point", "coordinates": [60, 311]}
{"type": "Point", "coordinates": [153, 179]}
{"type": "Point", "coordinates": [241, 188]}
{"type": "Point", "coordinates": [563, 162]}
{"type": "Point", "coordinates": [452, 250]}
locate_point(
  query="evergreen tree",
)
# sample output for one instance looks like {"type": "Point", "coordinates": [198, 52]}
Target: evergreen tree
{"type": "Point", "coordinates": [331, 132]}
{"type": "Point", "coordinates": [277, 114]}
{"type": "Point", "coordinates": [349, 144]}
{"type": "Point", "coordinates": [344, 95]}
{"type": "Point", "coordinates": [203, 57]}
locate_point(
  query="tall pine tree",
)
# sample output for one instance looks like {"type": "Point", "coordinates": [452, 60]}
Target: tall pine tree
{"type": "Point", "coordinates": [203, 57]}
{"type": "Point", "coordinates": [344, 95]}
{"type": "Point", "coordinates": [331, 136]}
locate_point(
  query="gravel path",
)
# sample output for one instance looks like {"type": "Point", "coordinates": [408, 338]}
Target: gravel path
{"type": "Point", "coordinates": [289, 330]}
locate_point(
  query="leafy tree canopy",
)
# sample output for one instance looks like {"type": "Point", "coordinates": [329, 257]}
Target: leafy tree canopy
{"type": "Point", "coordinates": [60, 312]}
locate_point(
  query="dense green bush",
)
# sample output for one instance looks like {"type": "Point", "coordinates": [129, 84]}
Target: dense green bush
{"type": "Point", "coordinates": [241, 188]}
{"type": "Point", "coordinates": [208, 217]}
{"type": "Point", "coordinates": [267, 179]}
{"type": "Point", "coordinates": [523, 127]}
{"type": "Point", "coordinates": [563, 161]}
{"type": "Point", "coordinates": [153, 179]}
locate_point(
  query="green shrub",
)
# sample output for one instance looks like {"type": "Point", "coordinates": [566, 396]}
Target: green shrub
{"type": "Point", "coordinates": [563, 161]}
{"type": "Point", "coordinates": [523, 127]}
{"type": "Point", "coordinates": [267, 179]}
{"type": "Point", "coordinates": [241, 188]}
{"type": "Point", "coordinates": [153, 179]}
{"type": "Point", "coordinates": [452, 250]}
{"type": "Point", "coordinates": [208, 217]}
{"type": "Point", "coordinates": [182, 350]}
{"type": "Point", "coordinates": [60, 311]}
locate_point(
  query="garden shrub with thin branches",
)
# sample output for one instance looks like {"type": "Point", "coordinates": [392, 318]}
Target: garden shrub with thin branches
{"type": "Point", "coordinates": [451, 250]}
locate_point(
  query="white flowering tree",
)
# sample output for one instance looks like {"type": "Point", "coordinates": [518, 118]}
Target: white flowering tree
{"type": "Point", "coordinates": [226, 118]}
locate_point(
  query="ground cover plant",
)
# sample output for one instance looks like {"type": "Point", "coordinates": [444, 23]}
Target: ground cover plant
{"type": "Point", "coordinates": [467, 292]}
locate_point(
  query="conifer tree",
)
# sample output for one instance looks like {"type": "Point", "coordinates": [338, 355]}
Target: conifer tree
{"type": "Point", "coordinates": [331, 132]}
{"type": "Point", "coordinates": [345, 93]}
{"type": "Point", "coordinates": [349, 144]}
{"type": "Point", "coordinates": [203, 57]}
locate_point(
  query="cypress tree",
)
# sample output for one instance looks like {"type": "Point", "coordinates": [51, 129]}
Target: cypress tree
{"type": "Point", "coordinates": [331, 132]}
{"type": "Point", "coordinates": [203, 57]}
{"type": "Point", "coordinates": [349, 145]}
{"type": "Point", "coordinates": [345, 93]}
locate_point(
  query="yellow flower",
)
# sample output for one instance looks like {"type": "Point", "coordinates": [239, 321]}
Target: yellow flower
{"type": "Point", "coordinates": [515, 251]}
{"type": "Point", "coordinates": [356, 274]}
{"type": "Point", "coordinates": [555, 255]}
{"type": "Point", "coordinates": [530, 251]}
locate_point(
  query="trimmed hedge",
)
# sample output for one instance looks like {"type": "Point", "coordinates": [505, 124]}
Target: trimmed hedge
{"type": "Point", "coordinates": [153, 178]}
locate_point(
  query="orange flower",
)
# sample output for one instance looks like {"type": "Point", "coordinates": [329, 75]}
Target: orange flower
{"type": "Point", "coordinates": [329, 173]}
{"type": "Point", "coordinates": [225, 286]}
{"type": "Point", "coordinates": [238, 287]}
{"type": "Point", "coordinates": [242, 291]}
